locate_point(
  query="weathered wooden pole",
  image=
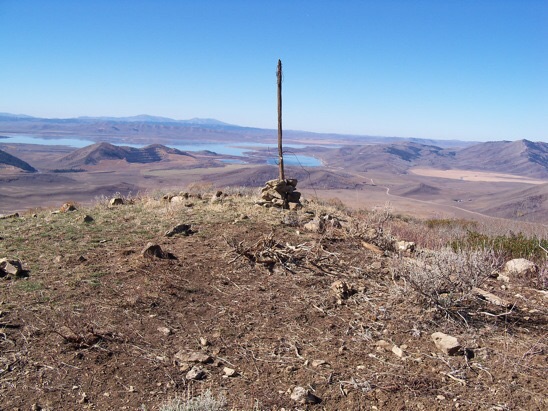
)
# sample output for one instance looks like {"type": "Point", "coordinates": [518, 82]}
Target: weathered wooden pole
{"type": "Point", "coordinates": [280, 150]}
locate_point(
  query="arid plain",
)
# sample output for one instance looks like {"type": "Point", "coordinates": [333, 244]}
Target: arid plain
{"type": "Point", "coordinates": [424, 178]}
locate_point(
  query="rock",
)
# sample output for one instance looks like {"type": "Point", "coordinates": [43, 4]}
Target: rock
{"type": "Point", "coordinates": [383, 345]}
{"type": "Point", "coordinates": [230, 372]}
{"type": "Point", "coordinates": [65, 208]}
{"type": "Point", "coordinates": [116, 201]}
{"type": "Point", "coordinates": [491, 298]}
{"type": "Point", "coordinates": [195, 373]}
{"type": "Point", "coordinates": [315, 225]}
{"type": "Point", "coordinates": [405, 246]}
{"type": "Point", "coordinates": [372, 247]}
{"type": "Point", "coordinates": [176, 199]}
{"type": "Point", "coordinates": [164, 330]}
{"type": "Point", "coordinates": [193, 357]}
{"type": "Point", "coordinates": [87, 219]}
{"type": "Point", "coordinates": [217, 198]}
{"type": "Point", "coordinates": [397, 350]}
{"type": "Point", "coordinates": [519, 267]}
{"type": "Point", "coordinates": [10, 267]}
{"type": "Point", "coordinates": [342, 289]}
{"type": "Point", "coordinates": [155, 251]}
{"type": "Point", "coordinates": [303, 396]}
{"type": "Point", "coordinates": [184, 229]}
{"type": "Point", "coordinates": [204, 342]}
{"type": "Point", "coordinates": [319, 363]}
{"type": "Point", "coordinates": [295, 206]}
{"type": "Point", "coordinates": [446, 344]}
{"type": "Point", "coordinates": [5, 216]}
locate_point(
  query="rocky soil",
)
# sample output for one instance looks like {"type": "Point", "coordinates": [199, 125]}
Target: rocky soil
{"type": "Point", "coordinates": [246, 302]}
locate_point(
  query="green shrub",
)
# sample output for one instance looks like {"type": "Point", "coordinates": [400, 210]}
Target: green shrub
{"type": "Point", "coordinates": [509, 246]}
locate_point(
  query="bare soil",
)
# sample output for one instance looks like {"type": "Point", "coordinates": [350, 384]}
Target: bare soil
{"type": "Point", "coordinates": [87, 328]}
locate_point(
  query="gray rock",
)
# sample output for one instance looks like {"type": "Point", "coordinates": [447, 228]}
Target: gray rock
{"type": "Point", "coordinates": [230, 372]}
{"type": "Point", "coordinates": [152, 250]}
{"type": "Point", "coordinates": [87, 219]}
{"type": "Point", "coordinates": [519, 267]}
{"type": "Point", "coordinates": [316, 225]}
{"type": "Point", "coordinates": [405, 246]}
{"type": "Point", "coordinates": [116, 201]}
{"type": "Point", "coordinates": [446, 344]}
{"type": "Point", "coordinates": [193, 357]}
{"type": "Point", "coordinates": [5, 216]}
{"type": "Point", "coordinates": [183, 229]}
{"type": "Point", "coordinates": [10, 267]}
{"type": "Point", "coordinates": [303, 396]}
{"type": "Point", "coordinates": [195, 373]}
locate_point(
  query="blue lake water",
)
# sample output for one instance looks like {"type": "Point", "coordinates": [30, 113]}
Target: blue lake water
{"type": "Point", "coordinates": [231, 148]}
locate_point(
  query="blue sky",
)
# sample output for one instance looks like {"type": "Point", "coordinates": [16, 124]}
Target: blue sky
{"type": "Point", "coordinates": [471, 70]}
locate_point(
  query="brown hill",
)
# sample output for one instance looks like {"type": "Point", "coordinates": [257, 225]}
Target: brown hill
{"type": "Point", "coordinates": [7, 161]}
{"type": "Point", "coordinates": [522, 157]}
{"type": "Point", "coordinates": [530, 204]}
{"type": "Point", "coordinates": [95, 153]}
{"type": "Point", "coordinates": [395, 158]}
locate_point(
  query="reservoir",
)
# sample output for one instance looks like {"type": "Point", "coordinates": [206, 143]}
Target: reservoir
{"type": "Point", "coordinates": [237, 149]}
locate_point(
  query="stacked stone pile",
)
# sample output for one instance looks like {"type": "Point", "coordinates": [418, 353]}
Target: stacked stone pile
{"type": "Point", "coordinates": [281, 193]}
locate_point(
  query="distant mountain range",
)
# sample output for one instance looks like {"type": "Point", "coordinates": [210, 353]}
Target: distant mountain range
{"type": "Point", "coordinates": [143, 128]}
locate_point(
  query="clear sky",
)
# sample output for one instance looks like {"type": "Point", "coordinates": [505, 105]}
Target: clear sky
{"type": "Point", "coordinates": [471, 70]}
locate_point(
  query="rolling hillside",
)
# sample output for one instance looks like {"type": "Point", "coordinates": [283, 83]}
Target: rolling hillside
{"type": "Point", "coordinates": [95, 153]}
{"type": "Point", "coordinates": [7, 161]}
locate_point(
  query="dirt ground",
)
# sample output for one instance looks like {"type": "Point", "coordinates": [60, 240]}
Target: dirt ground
{"type": "Point", "coordinates": [95, 325]}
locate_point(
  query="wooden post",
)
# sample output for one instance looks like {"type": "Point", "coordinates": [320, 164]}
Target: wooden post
{"type": "Point", "coordinates": [280, 150]}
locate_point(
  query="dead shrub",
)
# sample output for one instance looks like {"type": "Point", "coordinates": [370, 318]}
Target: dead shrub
{"type": "Point", "coordinates": [445, 278]}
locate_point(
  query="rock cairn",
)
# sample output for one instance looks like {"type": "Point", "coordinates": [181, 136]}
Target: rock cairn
{"type": "Point", "coordinates": [281, 194]}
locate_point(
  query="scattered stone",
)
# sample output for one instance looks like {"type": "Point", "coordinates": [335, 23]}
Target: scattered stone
{"type": "Point", "coordinates": [65, 208]}
{"type": "Point", "coordinates": [217, 198]}
{"type": "Point", "coordinates": [303, 396]}
{"type": "Point", "coordinates": [87, 219]}
{"type": "Point", "coordinates": [230, 372]}
{"type": "Point", "coordinates": [155, 251]}
{"type": "Point", "coordinates": [519, 267]}
{"type": "Point", "coordinates": [10, 267]}
{"type": "Point", "coordinates": [372, 247]}
{"type": "Point", "coordinates": [446, 344]}
{"type": "Point", "coordinates": [319, 363]}
{"type": "Point", "coordinates": [116, 201]}
{"type": "Point", "coordinates": [204, 342]}
{"type": "Point", "coordinates": [195, 373]}
{"type": "Point", "coordinates": [193, 357]}
{"type": "Point", "coordinates": [184, 229]}
{"type": "Point", "coordinates": [342, 289]}
{"type": "Point", "coordinates": [315, 225]}
{"type": "Point", "coordinates": [397, 350]}
{"type": "Point", "coordinates": [164, 330]}
{"type": "Point", "coordinates": [82, 259]}
{"type": "Point", "coordinates": [177, 199]}
{"type": "Point", "coordinates": [332, 221]}
{"type": "Point", "coordinates": [491, 298]}
{"type": "Point", "coordinates": [405, 246]}
{"type": "Point", "coordinates": [5, 216]}
{"type": "Point", "coordinates": [384, 345]}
